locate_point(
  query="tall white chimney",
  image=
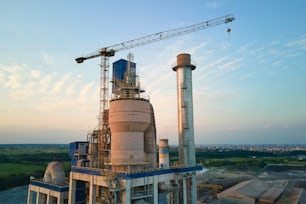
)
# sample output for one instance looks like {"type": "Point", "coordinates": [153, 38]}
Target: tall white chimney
{"type": "Point", "coordinates": [185, 124]}
{"type": "Point", "coordinates": [185, 110]}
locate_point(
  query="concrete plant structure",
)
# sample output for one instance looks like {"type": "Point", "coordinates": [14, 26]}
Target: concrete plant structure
{"type": "Point", "coordinates": [130, 172]}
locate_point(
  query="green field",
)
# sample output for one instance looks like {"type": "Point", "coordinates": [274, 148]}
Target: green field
{"type": "Point", "coordinates": [19, 162]}
{"type": "Point", "coordinates": [7, 169]}
{"type": "Point", "coordinates": [241, 159]}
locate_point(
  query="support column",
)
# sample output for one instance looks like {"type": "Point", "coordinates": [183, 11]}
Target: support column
{"type": "Point", "coordinates": [72, 189]}
{"type": "Point", "coordinates": [92, 191]}
{"type": "Point", "coordinates": [48, 199]}
{"type": "Point", "coordinates": [60, 198]}
{"type": "Point", "coordinates": [30, 196]}
{"type": "Point", "coordinates": [193, 188]}
{"type": "Point", "coordinates": [184, 191]}
{"type": "Point", "coordinates": [155, 189]}
{"type": "Point", "coordinates": [128, 192]}
{"type": "Point", "coordinates": [38, 197]}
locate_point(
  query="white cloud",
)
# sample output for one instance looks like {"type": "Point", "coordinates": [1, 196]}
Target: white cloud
{"type": "Point", "coordinates": [221, 95]}
{"type": "Point", "coordinates": [48, 59]}
{"type": "Point", "coordinates": [245, 76]}
{"type": "Point", "coordinates": [84, 93]}
{"type": "Point", "coordinates": [230, 66]}
{"type": "Point", "coordinates": [46, 81]}
{"type": "Point", "coordinates": [299, 43]}
{"type": "Point", "coordinates": [11, 75]}
{"type": "Point", "coordinates": [245, 49]}
{"type": "Point", "coordinates": [33, 90]}
{"type": "Point", "coordinates": [35, 74]}
{"type": "Point", "coordinates": [12, 82]}
{"type": "Point", "coordinates": [59, 84]}
{"type": "Point", "coordinates": [212, 4]}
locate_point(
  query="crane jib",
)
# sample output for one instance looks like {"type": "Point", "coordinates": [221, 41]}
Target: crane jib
{"type": "Point", "coordinates": [110, 51]}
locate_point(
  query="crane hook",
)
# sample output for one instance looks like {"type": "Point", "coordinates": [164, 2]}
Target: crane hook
{"type": "Point", "coordinates": [229, 36]}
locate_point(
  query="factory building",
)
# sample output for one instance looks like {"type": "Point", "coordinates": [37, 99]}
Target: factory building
{"type": "Point", "coordinates": [121, 163]}
{"type": "Point", "coordinates": [261, 192]}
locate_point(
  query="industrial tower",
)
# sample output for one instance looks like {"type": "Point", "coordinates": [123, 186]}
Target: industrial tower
{"type": "Point", "coordinates": [100, 137]}
{"type": "Point", "coordinates": [118, 162]}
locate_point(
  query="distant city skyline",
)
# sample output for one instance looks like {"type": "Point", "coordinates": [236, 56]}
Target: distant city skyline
{"type": "Point", "coordinates": [248, 87]}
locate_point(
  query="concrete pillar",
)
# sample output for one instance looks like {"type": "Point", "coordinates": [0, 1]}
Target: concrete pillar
{"type": "Point", "coordinates": [72, 189]}
{"type": "Point", "coordinates": [184, 191]}
{"type": "Point", "coordinates": [155, 189]}
{"type": "Point", "coordinates": [30, 196]}
{"type": "Point", "coordinates": [39, 197]}
{"type": "Point", "coordinates": [92, 191]}
{"type": "Point", "coordinates": [60, 198]}
{"type": "Point", "coordinates": [48, 198]}
{"type": "Point", "coordinates": [128, 192]}
{"type": "Point", "coordinates": [193, 188]}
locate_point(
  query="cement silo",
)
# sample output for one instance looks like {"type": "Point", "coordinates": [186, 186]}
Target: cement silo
{"type": "Point", "coordinates": [132, 125]}
{"type": "Point", "coordinates": [133, 134]}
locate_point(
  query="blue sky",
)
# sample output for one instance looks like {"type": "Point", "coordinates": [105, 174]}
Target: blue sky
{"type": "Point", "coordinates": [248, 88]}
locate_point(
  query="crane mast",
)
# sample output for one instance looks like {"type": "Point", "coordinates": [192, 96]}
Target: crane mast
{"type": "Point", "coordinates": [103, 132]}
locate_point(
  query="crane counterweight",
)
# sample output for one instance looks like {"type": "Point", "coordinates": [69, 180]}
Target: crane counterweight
{"type": "Point", "coordinates": [80, 59]}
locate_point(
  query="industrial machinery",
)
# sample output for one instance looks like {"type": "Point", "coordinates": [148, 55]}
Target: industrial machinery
{"type": "Point", "coordinates": [99, 140]}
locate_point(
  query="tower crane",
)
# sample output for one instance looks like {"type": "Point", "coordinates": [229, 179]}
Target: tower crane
{"type": "Point", "coordinates": [110, 51]}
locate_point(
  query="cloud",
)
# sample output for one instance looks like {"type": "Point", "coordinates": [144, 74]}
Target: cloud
{"type": "Point", "coordinates": [221, 94]}
{"type": "Point", "coordinates": [12, 75]}
{"type": "Point", "coordinates": [12, 82]}
{"type": "Point", "coordinates": [245, 76]}
{"type": "Point", "coordinates": [59, 84]}
{"type": "Point", "coordinates": [48, 59]}
{"type": "Point", "coordinates": [212, 4]}
{"type": "Point", "coordinates": [84, 93]}
{"type": "Point", "coordinates": [245, 49]}
{"type": "Point", "coordinates": [299, 43]}
{"type": "Point", "coordinates": [34, 90]}
{"type": "Point", "coordinates": [229, 66]}
{"type": "Point", "coordinates": [46, 80]}
{"type": "Point", "coordinates": [35, 74]}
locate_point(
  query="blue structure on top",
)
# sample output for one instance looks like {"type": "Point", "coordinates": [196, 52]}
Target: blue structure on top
{"type": "Point", "coordinates": [119, 71]}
